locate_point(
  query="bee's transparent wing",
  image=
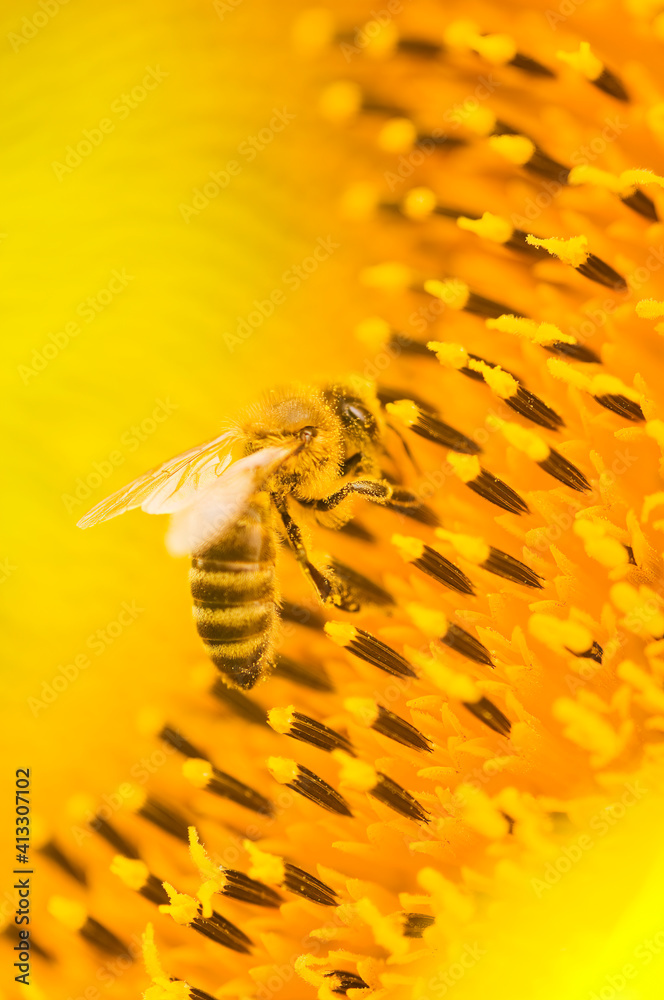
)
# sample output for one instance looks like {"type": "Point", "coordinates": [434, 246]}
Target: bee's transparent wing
{"type": "Point", "coordinates": [168, 487]}
{"type": "Point", "coordinates": [195, 528]}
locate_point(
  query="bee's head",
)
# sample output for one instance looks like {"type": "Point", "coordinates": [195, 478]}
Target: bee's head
{"type": "Point", "coordinates": [300, 416]}
{"type": "Point", "coordinates": [358, 410]}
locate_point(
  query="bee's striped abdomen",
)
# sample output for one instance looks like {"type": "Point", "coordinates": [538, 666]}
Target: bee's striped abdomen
{"type": "Point", "coordinates": [234, 589]}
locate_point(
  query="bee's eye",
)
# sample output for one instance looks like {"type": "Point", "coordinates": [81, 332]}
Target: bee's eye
{"type": "Point", "coordinates": [307, 433]}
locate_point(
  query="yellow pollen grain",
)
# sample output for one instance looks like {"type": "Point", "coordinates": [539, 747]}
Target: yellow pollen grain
{"type": "Point", "coordinates": [655, 430]}
{"type": "Point", "coordinates": [452, 683]}
{"type": "Point", "coordinates": [649, 308]}
{"type": "Point", "coordinates": [517, 149]}
{"type": "Point", "coordinates": [537, 333]}
{"type": "Point", "coordinates": [434, 624]}
{"type": "Point", "coordinates": [312, 31]}
{"type": "Point", "coordinates": [283, 770]}
{"type": "Point", "coordinates": [364, 710]}
{"type": "Point", "coordinates": [521, 438]}
{"type": "Point", "coordinates": [409, 548]}
{"type": "Point", "coordinates": [641, 608]}
{"type": "Point", "coordinates": [340, 101]}
{"type": "Point", "coordinates": [479, 812]}
{"type": "Point", "coordinates": [564, 371]}
{"type": "Point", "coordinates": [281, 719]}
{"type": "Point", "coordinates": [469, 547]}
{"type": "Point", "coordinates": [651, 502]}
{"type": "Point", "coordinates": [584, 173]}
{"type": "Point", "coordinates": [404, 410]}
{"type": "Point", "coordinates": [197, 771]}
{"type": "Point", "coordinates": [489, 227]}
{"type": "Point", "coordinates": [650, 691]}
{"type": "Point", "coordinates": [560, 635]}
{"type": "Point", "coordinates": [607, 551]}
{"type": "Point", "coordinates": [136, 798]}
{"type": "Point", "coordinates": [419, 203]}
{"type": "Point", "coordinates": [383, 43]}
{"type": "Point", "coordinates": [572, 251]}
{"type": "Point", "coordinates": [68, 912]}
{"type": "Point", "coordinates": [607, 385]}
{"type": "Point", "coordinates": [356, 774]}
{"type": "Point", "coordinates": [390, 276]}
{"type": "Point", "coordinates": [480, 120]}
{"type": "Point", "coordinates": [583, 61]}
{"type": "Point", "coordinates": [182, 908]}
{"type": "Point", "coordinates": [500, 382]}
{"type": "Point", "coordinates": [588, 730]}
{"type": "Point", "coordinates": [397, 136]}
{"type": "Point", "coordinates": [460, 34]}
{"type": "Point", "coordinates": [199, 856]}
{"type": "Point", "coordinates": [496, 49]}
{"type": "Point", "coordinates": [465, 467]}
{"type": "Point", "coordinates": [358, 202]}
{"type": "Point", "coordinates": [133, 872]}
{"type": "Point", "coordinates": [450, 355]}
{"type": "Point", "coordinates": [264, 867]}
{"type": "Point", "coordinates": [340, 632]}
{"type": "Point", "coordinates": [450, 899]}
{"type": "Point", "coordinates": [453, 292]}
{"type": "Point", "coordinates": [373, 332]}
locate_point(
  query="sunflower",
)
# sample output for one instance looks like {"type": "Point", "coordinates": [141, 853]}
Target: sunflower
{"type": "Point", "coordinates": [451, 780]}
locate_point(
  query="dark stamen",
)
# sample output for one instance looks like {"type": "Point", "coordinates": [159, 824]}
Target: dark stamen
{"type": "Point", "coordinates": [621, 405]}
{"type": "Point", "coordinates": [443, 571]}
{"type": "Point", "coordinates": [397, 798]}
{"type": "Point", "coordinates": [308, 730]}
{"type": "Point", "coordinates": [55, 854]}
{"type": "Point", "coordinates": [594, 653]}
{"type": "Point", "coordinates": [218, 929]}
{"type": "Point", "coordinates": [467, 645]}
{"type": "Point", "coordinates": [112, 837]}
{"type": "Point", "coordinates": [490, 715]}
{"type": "Point", "coordinates": [487, 308]}
{"type": "Point", "coordinates": [530, 406]}
{"type": "Point", "coordinates": [98, 935]}
{"type": "Point", "coordinates": [497, 492]}
{"type": "Point", "coordinates": [365, 590]}
{"type": "Point", "coordinates": [595, 269]}
{"type": "Point", "coordinates": [230, 788]}
{"type": "Point", "coordinates": [300, 615]}
{"type": "Point", "coordinates": [433, 429]}
{"type": "Point", "coordinates": [542, 164]}
{"type": "Point", "coordinates": [372, 650]}
{"type": "Point", "coordinates": [179, 743]}
{"type": "Point", "coordinates": [611, 85]}
{"type": "Point", "coordinates": [313, 677]}
{"type": "Point", "coordinates": [303, 884]}
{"type": "Point", "coordinates": [318, 791]}
{"type": "Point", "coordinates": [166, 819]}
{"type": "Point", "coordinates": [641, 203]}
{"type": "Point", "coordinates": [347, 981]}
{"type": "Point", "coordinates": [577, 352]}
{"type": "Point", "coordinates": [531, 66]}
{"type": "Point", "coordinates": [415, 924]}
{"type": "Point", "coordinates": [564, 471]}
{"type": "Point", "coordinates": [510, 568]}
{"type": "Point", "coordinates": [248, 890]}
{"type": "Point", "coordinates": [154, 891]}
{"type": "Point", "coordinates": [397, 729]}
{"type": "Point", "coordinates": [239, 704]}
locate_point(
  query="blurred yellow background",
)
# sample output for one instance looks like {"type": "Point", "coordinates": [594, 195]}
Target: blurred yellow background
{"type": "Point", "coordinates": [158, 202]}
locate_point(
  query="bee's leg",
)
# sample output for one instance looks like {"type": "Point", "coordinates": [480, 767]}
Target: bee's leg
{"type": "Point", "coordinates": [294, 535]}
{"type": "Point", "coordinates": [377, 490]}
{"type": "Point", "coordinates": [330, 590]}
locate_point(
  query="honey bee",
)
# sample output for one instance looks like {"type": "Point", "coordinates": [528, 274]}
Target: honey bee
{"type": "Point", "coordinates": [232, 496]}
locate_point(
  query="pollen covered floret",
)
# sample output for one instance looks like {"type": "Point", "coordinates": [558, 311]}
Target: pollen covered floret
{"type": "Point", "coordinates": [488, 672]}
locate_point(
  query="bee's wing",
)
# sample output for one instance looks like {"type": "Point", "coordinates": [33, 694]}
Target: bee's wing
{"type": "Point", "coordinates": [195, 528]}
{"type": "Point", "coordinates": [170, 486]}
